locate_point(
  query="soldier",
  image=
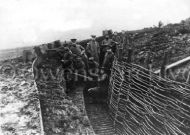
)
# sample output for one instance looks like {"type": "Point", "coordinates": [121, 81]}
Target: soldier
{"type": "Point", "coordinates": [38, 62]}
{"type": "Point", "coordinates": [75, 48]}
{"type": "Point", "coordinates": [93, 63]}
{"type": "Point", "coordinates": [93, 66]}
{"type": "Point", "coordinates": [106, 44]}
{"type": "Point", "coordinates": [108, 59]}
{"type": "Point", "coordinates": [93, 49]}
{"type": "Point", "coordinates": [116, 37]}
{"type": "Point", "coordinates": [79, 53]}
{"type": "Point", "coordinates": [116, 42]}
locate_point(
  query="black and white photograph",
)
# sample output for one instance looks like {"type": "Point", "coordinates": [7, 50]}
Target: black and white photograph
{"type": "Point", "coordinates": [94, 67]}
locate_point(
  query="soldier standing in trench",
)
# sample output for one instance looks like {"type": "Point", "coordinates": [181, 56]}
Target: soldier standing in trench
{"type": "Point", "coordinates": [80, 58]}
{"type": "Point", "coordinates": [106, 44]}
{"type": "Point", "coordinates": [76, 49]}
{"type": "Point", "coordinates": [93, 49]}
{"type": "Point", "coordinates": [116, 37]}
{"type": "Point", "coordinates": [116, 40]}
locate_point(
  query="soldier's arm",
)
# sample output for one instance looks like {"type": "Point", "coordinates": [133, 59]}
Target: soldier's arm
{"type": "Point", "coordinates": [82, 49]}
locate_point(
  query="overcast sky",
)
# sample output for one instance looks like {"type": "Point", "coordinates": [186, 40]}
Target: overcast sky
{"type": "Point", "coordinates": [30, 22]}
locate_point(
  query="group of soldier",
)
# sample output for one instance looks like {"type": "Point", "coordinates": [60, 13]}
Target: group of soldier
{"type": "Point", "coordinates": [94, 51]}
{"type": "Point", "coordinates": [93, 55]}
{"type": "Point", "coordinates": [97, 56]}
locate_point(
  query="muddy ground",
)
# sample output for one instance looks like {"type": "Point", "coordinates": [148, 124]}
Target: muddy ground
{"type": "Point", "coordinates": [18, 100]}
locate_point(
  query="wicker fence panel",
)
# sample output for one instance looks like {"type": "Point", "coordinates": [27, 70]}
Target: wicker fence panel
{"type": "Point", "coordinates": [143, 103]}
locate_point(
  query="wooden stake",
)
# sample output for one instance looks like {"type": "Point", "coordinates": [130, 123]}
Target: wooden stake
{"type": "Point", "coordinates": [130, 53]}
{"type": "Point", "coordinates": [163, 67]}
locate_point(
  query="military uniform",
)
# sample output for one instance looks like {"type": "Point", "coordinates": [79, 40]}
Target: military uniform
{"type": "Point", "coordinates": [108, 59]}
{"type": "Point", "coordinates": [80, 57]}
{"type": "Point", "coordinates": [76, 49]}
{"type": "Point", "coordinates": [116, 42]}
{"type": "Point", "coordinates": [116, 38]}
{"type": "Point", "coordinates": [93, 50]}
{"type": "Point", "coordinates": [106, 44]}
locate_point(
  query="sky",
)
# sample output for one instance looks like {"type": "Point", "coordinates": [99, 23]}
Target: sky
{"type": "Point", "coordinates": [33, 22]}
